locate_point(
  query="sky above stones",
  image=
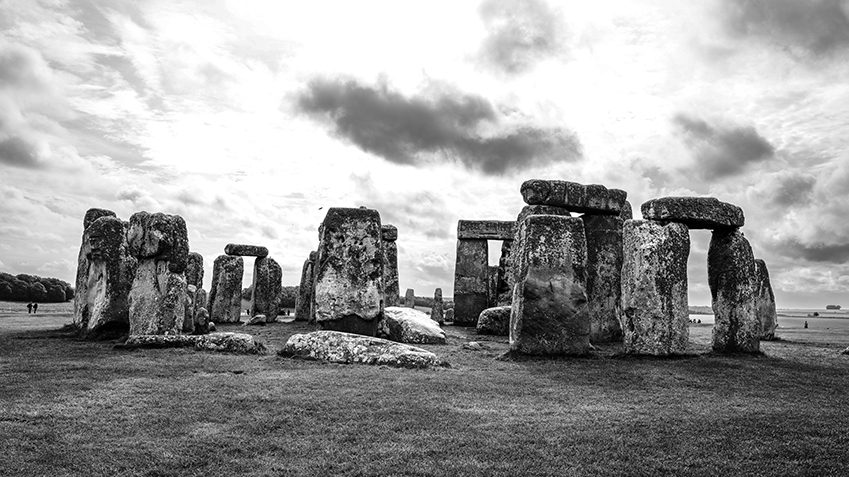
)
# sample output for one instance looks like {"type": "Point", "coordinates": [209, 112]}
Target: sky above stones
{"type": "Point", "coordinates": [251, 118]}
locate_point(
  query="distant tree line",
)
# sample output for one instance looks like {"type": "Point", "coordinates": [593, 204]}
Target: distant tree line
{"type": "Point", "coordinates": [25, 287]}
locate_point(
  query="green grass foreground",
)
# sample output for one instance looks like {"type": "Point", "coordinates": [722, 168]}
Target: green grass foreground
{"type": "Point", "coordinates": [71, 407]}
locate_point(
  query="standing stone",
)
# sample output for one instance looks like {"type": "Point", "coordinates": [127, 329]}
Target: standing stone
{"type": "Point", "coordinates": [410, 298]}
{"type": "Point", "coordinates": [526, 212]}
{"type": "Point", "coordinates": [195, 302]}
{"type": "Point", "coordinates": [654, 287]}
{"type": "Point", "coordinates": [471, 281]}
{"type": "Point", "coordinates": [242, 250]}
{"type": "Point", "coordinates": [83, 264]}
{"type": "Point", "coordinates": [267, 286]}
{"type": "Point", "coordinates": [491, 287]}
{"type": "Point", "coordinates": [225, 294]}
{"type": "Point", "coordinates": [731, 276]}
{"type": "Point", "coordinates": [503, 291]}
{"type": "Point", "coordinates": [449, 315]}
{"type": "Point", "coordinates": [194, 269]}
{"type": "Point", "coordinates": [627, 212]}
{"type": "Point", "coordinates": [549, 314]}
{"type": "Point", "coordinates": [437, 313]}
{"type": "Point", "coordinates": [765, 301]}
{"type": "Point", "coordinates": [157, 298]}
{"type": "Point", "coordinates": [389, 234]}
{"type": "Point", "coordinates": [302, 303]}
{"type": "Point", "coordinates": [348, 294]}
{"type": "Point", "coordinates": [604, 276]}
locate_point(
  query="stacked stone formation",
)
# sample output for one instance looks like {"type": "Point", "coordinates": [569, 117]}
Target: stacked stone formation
{"type": "Point", "coordinates": [104, 277]}
{"type": "Point", "coordinates": [225, 294]}
{"type": "Point", "coordinates": [302, 303]}
{"type": "Point", "coordinates": [348, 287]}
{"type": "Point", "coordinates": [242, 250]}
{"type": "Point", "coordinates": [389, 235]}
{"type": "Point", "coordinates": [733, 283]}
{"type": "Point", "coordinates": [694, 212]}
{"type": "Point", "coordinates": [158, 294]}
{"type": "Point", "coordinates": [654, 287]}
{"type": "Point", "coordinates": [437, 311]}
{"type": "Point", "coordinates": [267, 286]}
{"type": "Point", "coordinates": [591, 199]}
{"type": "Point", "coordinates": [765, 301]}
{"type": "Point", "coordinates": [475, 282]}
{"type": "Point", "coordinates": [549, 314]}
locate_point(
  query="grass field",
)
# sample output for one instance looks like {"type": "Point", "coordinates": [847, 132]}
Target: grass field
{"type": "Point", "coordinates": [71, 407]}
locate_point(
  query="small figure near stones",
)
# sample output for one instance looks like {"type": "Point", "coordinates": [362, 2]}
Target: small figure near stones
{"type": "Point", "coordinates": [29, 308]}
{"type": "Point", "coordinates": [35, 307]}
{"type": "Point", "coordinates": [806, 324]}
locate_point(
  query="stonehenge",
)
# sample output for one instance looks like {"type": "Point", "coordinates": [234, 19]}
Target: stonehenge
{"type": "Point", "coordinates": [410, 298]}
{"type": "Point", "coordinates": [242, 250]}
{"type": "Point", "coordinates": [266, 289]}
{"type": "Point", "coordinates": [437, 312]}
{"type": "Point", "coordinates": [388, 236]}
{"type": "Point", "coordinates": [225, 294]}
{"type": "Point", "coordinates": [592, 199]}
{"type": "Point", "coordinates": [302, 303]}
{"type": "Point", "coordinates": [733, 283]}
{"type": "Point", "coordinates": [474, 283]}
{"type": "Point", "coordinates": [764, 301]}
{"type": "Point", "coordinates": [194, 269]}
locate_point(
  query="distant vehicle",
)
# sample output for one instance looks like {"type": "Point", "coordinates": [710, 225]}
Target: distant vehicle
{"type": "Point", "coordinates": [832, 307]}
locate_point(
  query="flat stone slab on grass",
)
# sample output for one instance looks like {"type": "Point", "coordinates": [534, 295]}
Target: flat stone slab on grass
{"type": "Point", "coordinates": [592, 199]}
{"type": "Point", "coordinates": [240, 343]}
{"type": "Point", "coordinates": [694, 212]}
{"type": "Point", "coordinates": [242, 250]}
{"type": "Point", "coordinates": [408, 325]}
{"type": "Point", "coordinates": [348, 348]}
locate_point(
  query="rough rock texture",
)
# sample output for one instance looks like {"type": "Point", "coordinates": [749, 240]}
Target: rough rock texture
{"type": "Point", "coordinates": [449, 315]}
{"type": "Point", "coordinates": [390, 265]}
{"type": "Point", "coordinates": [242, 250]}
{"type": "Point", "coordinates": [348, 294]}
{"type": "Point", "coordinates": [194, 269]}
{"type": "Point", "coordinates": [503, 290]}
{"type": "Point", "coordinates": [189, 310]}
{"type": "Point", "coordinates": [406, 325]}
{"type": "Point", "coordinates": [349, 348]}
{"type": "Point", "coordinates": [239, 343]}
{"type": "Point", "coordinates": [410, 298]}
{"type": "Point", "coordinates": [485, 230]}
{"type": "Point", "coordinates": [549, 314]}
{"type": "Point", "coordinates": [491, 287]}
{"type": "Point", "coordinates": [93, 214]}
{"type": "Point", "coordinates": [225, 295]}
{"type": "Point", "coordinates": [654, 287]}
{"type": "Point", "coordinates": [604, 276]}
{"type": "Point", "coordinates": [256, 320]}
{"type": "Point", "coordinates": [627, 212]}
{"type": "Point", "coordinates": [302, 303]}
{"type": "Point", "coordinates": [471, 281]}
{"type": "Point", "coordinates": [437, 311]}
{"type": "Point", "coordinates": [526, 212]}
{"type": "Point", "coordinates": [694, 212]}
{"type": "Point", "coordinates": [267, 286]}
{"type": "Point", "coordinates": [202, 323]}
{"type": "Point", "coordinates": [495, 321]}
{"type": "Point", "coordinates": [160, 237]}
{"type": "Point", "coordinates": [593, 198]}
{"type": "Point", "coordinates": [83, 265]}
{"type": "Point", "coordinates": [765, 301]}
{"type": "Point", "coordinates": [731, 276]}
{"type": "Point", "coordinates": [101, 301]}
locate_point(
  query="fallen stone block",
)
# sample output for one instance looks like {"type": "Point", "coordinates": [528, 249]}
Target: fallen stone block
{"type": "Point", "coordinates": [349, 348]}
{"type": "Point", "coordinates": [406, 325]}
{"type": "Point", "coordinates": [495, 321]}
{"type": "Point", "coordinates": [239, 343]}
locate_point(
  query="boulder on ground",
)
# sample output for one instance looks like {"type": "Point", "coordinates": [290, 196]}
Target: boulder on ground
{"type": "Point", "coordinates": [694, 212]}
{"type": "Point", "coordinates": [256, 320]}
{"type": "Point", "coordinates": [406, 325]}
{"type": "Point", "coordinates": [593, 198]}
{"type": "Point", "coordinates": [239, 343]}
{"type": "Point", "coordinates": [731, 277]}
{"type": "Point", "coordinates": [242, 250]}
{"type": "Point", "coordinates": [349, 348]}
{"type": "Point", "coordinates": [495, 321]}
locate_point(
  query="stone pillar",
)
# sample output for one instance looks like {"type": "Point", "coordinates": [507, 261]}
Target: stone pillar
{"type": "Point", "coordinates": [604, 276]}
{"type": "Point", "coordinates": [348, 294]}
{"type": "Point", "coordinates": [194, 270]}
{"type": "Point", "coordinates": [437, 313]}
{"type": "Point", "coordinates": [389, 236]}
{"type": "Point", "coordinates": [526, 212]}
{"type": "Point", "coordinates": [410, 298]}
{"type": "Point", "coordinates": [471, 281]}
{"type": "Point", "coordinates": [83, 264]}
{"type": "Point", "coordinates": [225, 293]}
{"type": "Point", "coordinates": [267, 286]}
{"type": "Point", "coordinates": [491, 287]}
{"type": "Point", "coordinates": [549, 315]}
{"type": "Point", "coordinates": [158, 294]}
{"type": "Point", "coordinates": [731, 276]}
{"type": "Point", "coordinates": [503, 290]}
{"type": "Point", "coordinates": [765, 301]}
{"type": "Point", "coordinates": [302, 304]}
{"type": "Point", "coordinates": [654, 287]}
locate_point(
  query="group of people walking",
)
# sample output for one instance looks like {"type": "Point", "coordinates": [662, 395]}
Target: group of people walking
{"type": "Point", "coordinates": [32, 308]}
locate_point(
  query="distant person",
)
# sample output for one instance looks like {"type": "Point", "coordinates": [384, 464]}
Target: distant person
{"type": "Point", "coordinates": [806, 324]}
{"type": "Point", "coordinates": [699, 320]}
{"type": "Point", "coordinates": [35, 307]}
{"type": "Point", "coordinates": [29, 308]}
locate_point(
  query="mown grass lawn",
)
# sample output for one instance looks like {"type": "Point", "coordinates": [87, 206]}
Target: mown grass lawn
{"type": "Point", "coordinates": [71, 407]}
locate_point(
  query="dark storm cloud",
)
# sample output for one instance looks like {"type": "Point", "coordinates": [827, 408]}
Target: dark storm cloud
{"type": "Point", "coordinates": [831, 253]}
{"type": "Point", "coordinates": [410, 130]}
{"type": "Point", "coordinates": [794, 190]}
{"type": "Point", "coordinates": [814, 26]}
{"type": "Point", "coordinates": [520, 33]}
{"type": "Point", "coordinates": [722, 151]}
{"type": "Point", "coordinates": [19, 153]}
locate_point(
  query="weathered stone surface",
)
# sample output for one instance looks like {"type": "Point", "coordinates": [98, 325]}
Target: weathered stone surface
{"type": "Point", "coordinates": [390, 266]}
{"type": "Point", "coordinates": [242, 250]}
{"type": "Point", "coordinates": [549, 313]}
{"type": "Point", "coordinates": [593, 198]}
{"type": "Point", "coordinates": [503, 290]}
{"type": "Point", "coordinates": [157, 299]}
{"type": "Point", "coordinates": [471, 281]}
{"type": "Point", "coordinates": [202, 323]}
{"type": "Point", "coordinates": [627, 212]}
{"type": "Point", "coordinates": [225, 295]}
{"type": "Point", "coordinates": [604, 276]}
{"type": "Point", "coordinates": [491, 286]}
{"type": "Point", "coordinates": [495, 321]}
{"type": "Point", "coordinates": [349, 348]}
{"type": "Point", "coordinates": [694, 212]}
{"type": "Point", "coordinates": [437, 312]}
{"type": "Point", "coordinates": [105, 276]}
{"type": "Point", "coordinates": [406, 325]}
{"type": "Point", "coordinates": [765, 301]}
{"type": "Point", "coordinates": [256, 320]}
{"type": "Point", "coordinates": [348, 294]}
{"type": "Point", "coordinates": [194, 269]}
{"type": "Point", "coordinates": [410, 298]}
{"type": "Point", "coordinates": [160, 237]}
{"type": "Point", "coordinates": [388, 233]}
{"type": "Point", "coordinates": [189, 310]}
{"type": "Point", "coordinates": [485, 229]}
{"type": "Point", "coordinates": [449, 315]}
{"type": "Point", "coordinates": [267, 285]}
{"type": "Point", "coordinates": [302, 302]}
{"type": "Point", "coordinates": [93, 214]}
{"type": "Point", "coordinates": [654, 287]}
{"type": "Point", "coordinates": [526, 212]}
{"type": "Point", "coordinates": [239, 343]}
{"type": "Point", "coordinates": [731, 276]}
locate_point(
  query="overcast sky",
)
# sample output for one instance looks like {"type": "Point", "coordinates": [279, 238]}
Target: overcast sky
{"type": "Point", "coordinates": [251, 118]}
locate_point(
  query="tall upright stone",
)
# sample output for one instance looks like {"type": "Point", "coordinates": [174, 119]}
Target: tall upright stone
{"type": "Point", "coordinates": [491, 287]}
{"type": "Point", "coordinates": [471, 281]}
{"type": "Point", "coordinates": [654, 287]}
{"type": "Point", "coordinates": [158, 295]}
{"type": "Point", "coordinates": [604, 276]}
{"type": "Point", "coordinates": [765, 301]}
{"type": "Point", "coordinates": [225, 293]}
{"type": "Point", "coordinates": [194, 269]}
{"type": "Point", "coordinates": [516, 245]}
{"type": "Point", "coordinates": [437, 311]}
{"type": "Point", "coordinates": [83, 264]}
{"type": "Point", "coordinates": [389, 236]}
{"type": "Point", "coordinates": [549, 315]}
{"type": "Point", "coordinates": [503, 290]}
{"type": "Point", "coordinates": [267, 286]}
{"type": "Point", "coordinates": [348, 294]}
{"type": "Point", "coordinates": [732, 280]}
{"type": "Point", "coordinates": [410, 298]}
{"type": "Point", "coordinates": [302, 303]}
